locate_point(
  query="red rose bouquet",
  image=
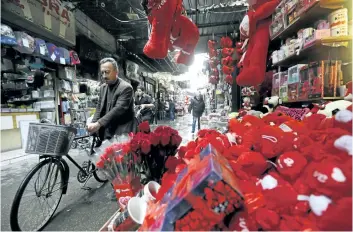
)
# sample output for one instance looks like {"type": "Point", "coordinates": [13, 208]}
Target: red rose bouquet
{"type": "Point", "coordinates": [154, 148]}
{"type": "Point", "coordinates": [121, 166]}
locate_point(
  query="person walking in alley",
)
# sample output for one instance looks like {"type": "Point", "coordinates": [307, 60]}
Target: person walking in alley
{"type": "Point", "coordinates": [145, 102]}
{"type": "Point", "coordinates": [155, 111]}
{"type": "Point", "coordinates": [115, 109]}
{"type": "Point", "coordinates": [197, 106]}
{"type": "Point", "coordinates": [171, 109]}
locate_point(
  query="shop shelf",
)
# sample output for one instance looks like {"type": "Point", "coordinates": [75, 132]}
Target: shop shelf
{"type": "Point", "coordinates": [325, 48]}
{"type": "Point", "coordinates": [314, 100]}
{"type": "Point", "coordinates": [306, 17]}
{"type": "Point", "coordinates": [22, 101]}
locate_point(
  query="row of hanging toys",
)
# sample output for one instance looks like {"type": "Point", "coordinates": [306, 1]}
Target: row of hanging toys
{"type": "Point", "coordinates": [170, 29]}
{"type": "Point", "coordinates": [227, 59]}
{"type": "Point", "coordinates": [212, 52]}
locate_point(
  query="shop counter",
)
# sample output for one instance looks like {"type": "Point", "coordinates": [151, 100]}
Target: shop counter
{"type": "Point", "coordinates": [13, 124]}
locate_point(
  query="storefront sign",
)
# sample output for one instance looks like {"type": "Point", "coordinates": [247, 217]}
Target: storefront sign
{"type": "Point", "coordinates": [49, 15]}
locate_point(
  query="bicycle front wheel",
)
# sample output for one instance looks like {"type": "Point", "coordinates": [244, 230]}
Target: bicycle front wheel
{"type": "Point", "coordinates": [38, 196]}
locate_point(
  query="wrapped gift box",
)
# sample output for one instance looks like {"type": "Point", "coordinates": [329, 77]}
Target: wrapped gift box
{"type": "Point", "coordinates": [205, 192]}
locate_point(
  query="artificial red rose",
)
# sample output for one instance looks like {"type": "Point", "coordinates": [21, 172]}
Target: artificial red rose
{"type": "Point", "coordinates": [191, 145]}
{"type": "Point", "coordinates": [145, 146]}
{"type": "Point", "coordinates": [100, 164]}
{"type": "Point", "coordinates": [126, 148]}
{"type": "Point", "coordinates": [171, 163]}
{"type": "Point", "coordinates": [144, 127]}
{"type": "Point", "coordinates": [176, 140]}
{"type": "Point", "coordinates": [155, 138]}
{"type": "Point", "coordinates": [182, 151]}
{"type": "Point", "coordinates": [134, 145]}
{"type": "Point", "coordinates": [165, 139]}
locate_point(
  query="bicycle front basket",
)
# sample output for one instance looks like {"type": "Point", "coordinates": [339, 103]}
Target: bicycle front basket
{"type": "Point", "coordinates": [47, 139]}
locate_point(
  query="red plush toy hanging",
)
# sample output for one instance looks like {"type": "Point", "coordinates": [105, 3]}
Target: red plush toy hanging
{"type": "Point", "coordinates": [211, 44]}
{"type": "Point", "coordinates": [161, 18]}
{"type": "Point", "coordinates": [184, 36]}
{"type": "Point", "coordinates": [228, 61]}
{"type": "Point", "coordinates": [229, 79]}
{"type": "Point", "coordinates": [255, 26]}
{"type": "Point", "coordinates": [227, 52]}
{"type": "Point", "coordinates": [213, 63]}
{"type": "Point", "coordinates": [226, 42]}
{"type": "Point", "coordinates": [227, 70]}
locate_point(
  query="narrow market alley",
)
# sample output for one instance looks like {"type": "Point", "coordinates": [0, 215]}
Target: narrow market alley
{"type": "Point", "coordinates": [79, 210]}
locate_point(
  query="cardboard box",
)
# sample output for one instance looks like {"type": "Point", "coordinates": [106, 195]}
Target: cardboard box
{"type": "Point", "coordinates": [293, 81]}
{"type": "Point", "coordinates": [275, 84]}
{"type": "Point", "coordinates": [189, 200]}
{"type": "Point", "coordinates": [304, 86]}
{"type": "Point", "coordinates": [283, 89]}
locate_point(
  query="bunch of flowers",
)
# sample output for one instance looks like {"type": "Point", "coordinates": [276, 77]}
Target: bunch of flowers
{"type": "Point", "coordinates": [121, 167]}
{"type": "Point", "coordinates": [294, 175]}
{"type": "Point", "coordinates": [154, 148]}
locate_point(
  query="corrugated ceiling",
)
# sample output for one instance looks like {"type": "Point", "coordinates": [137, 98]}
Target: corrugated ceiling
{"type": "Point", "coordinates": [215, 18]}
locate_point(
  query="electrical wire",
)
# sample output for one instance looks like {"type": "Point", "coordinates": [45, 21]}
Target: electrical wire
{"type": "Point", "coordinates": [135, 9]}
{"type": "Point", "coordinates": [142, 20]}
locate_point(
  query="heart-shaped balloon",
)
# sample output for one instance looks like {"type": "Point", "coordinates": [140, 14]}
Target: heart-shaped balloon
{"type": "Point", "coordinates": [123, 201]}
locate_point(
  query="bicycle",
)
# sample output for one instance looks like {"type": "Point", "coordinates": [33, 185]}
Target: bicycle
{"type": "Point", "coordinates": [52, 143]}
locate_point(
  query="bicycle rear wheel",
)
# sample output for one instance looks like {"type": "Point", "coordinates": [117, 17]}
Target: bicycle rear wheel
{"type": "Point", "coordinates": [51, 173]}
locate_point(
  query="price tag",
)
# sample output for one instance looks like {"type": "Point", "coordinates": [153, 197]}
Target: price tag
{"type": "Point", "coordinates": [285, 128]}
{"type": "Point", "coordinates": [53, 57]}
{"type": "Point", "coordinates": [62, 60]}
{"type": "Point", "coordinates": [41, 50]}
{"type": "Point", "coordinates": [25, 42]}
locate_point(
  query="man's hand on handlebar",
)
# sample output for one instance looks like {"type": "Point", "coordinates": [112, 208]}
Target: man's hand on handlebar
{"type": "Point", "coordinates": [93, 127]}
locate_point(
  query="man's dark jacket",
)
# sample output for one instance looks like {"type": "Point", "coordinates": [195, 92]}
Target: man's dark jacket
{"type": "Point", "coordinates": [117, 116]}
{"type": "Point", "coordinates": [197, 107]}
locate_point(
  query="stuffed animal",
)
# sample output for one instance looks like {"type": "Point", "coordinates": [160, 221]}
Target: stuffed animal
{"type": "Point", "coordinates": [255, 26]}
{"type": "Point", "coordinates": [184, 36]}
{"type": "Point", "coordinates": [226, 42]}
{"type": "Point", "coordinates": [333, 107]}
{"type": "Point", "coordinates": [246, 103]}
{"type": "Point", "coordinates": [270, 104]}
{"type": "Point", "coordinates": [161, 15]}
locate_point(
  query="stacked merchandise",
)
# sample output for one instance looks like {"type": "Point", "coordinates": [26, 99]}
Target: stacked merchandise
{"type": "Point", "coordinates": [124, 158]}
{"type": "Point", "coordinates": [227, 60]}
{"type": "Point", "coordinates": [331, 28]}
{"type": "Point", "coordinates": [248, 94]}
{"type": "Point", "coordinates": [274, 173]}
{"type": "Point", "coordinates": [304, 82]}
{"type": "Point", "coordinates": [212, 52]}
{"type": "Point", "coordinates": [27, 84]}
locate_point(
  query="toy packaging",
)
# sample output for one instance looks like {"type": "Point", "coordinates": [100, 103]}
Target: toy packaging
{"type": "Point", "coordinates": [325, 77]}
{"type": "Point", "coordinates": [283, 89]}
{"type": "Point", "coordinates": [204, 194]}
{"type": "Point", "coordinates": [275, 84]}
{"type": "Point", "coordinates": [293, 81]}
{"type": "Point", "coordinates": [317, 74]}
{"type": "Point", "coordinates": [303, 87]}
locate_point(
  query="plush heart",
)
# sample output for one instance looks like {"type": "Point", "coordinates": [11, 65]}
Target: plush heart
{"type": "Point", "coordinates": [318, 204]}
{"type": "Point", "coordinates": [338, 175]}
{"type": "Point", "coordinates": [123, 201]}
{"type": "Point", "coordinates": [344, 143]}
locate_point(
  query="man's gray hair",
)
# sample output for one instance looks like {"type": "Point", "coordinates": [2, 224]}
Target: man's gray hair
{"type": "Point", "coordinates": [109, 60]}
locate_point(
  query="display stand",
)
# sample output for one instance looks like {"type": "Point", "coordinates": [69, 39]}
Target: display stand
{"type": "Point", "coordinates": [320, 57]}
